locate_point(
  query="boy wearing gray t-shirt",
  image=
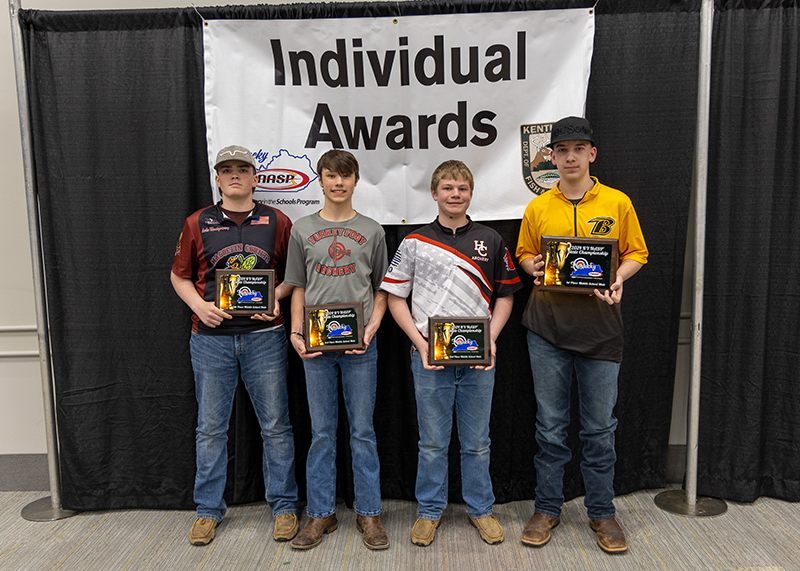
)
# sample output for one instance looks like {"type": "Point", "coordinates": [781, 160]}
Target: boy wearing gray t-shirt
{"type": "Point", "coordinates": [339, 256]}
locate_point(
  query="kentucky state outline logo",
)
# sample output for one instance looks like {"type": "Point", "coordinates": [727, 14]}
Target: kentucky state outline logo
{"type": "Point", "coordinates": [461, 343]}
{"type": "Point", "coordinates": [283, 172]}
{"type": "Point", "coordinates": [581, 268]}
{"type": "Point", "coordinates": [247, 294]}
{"type": "Point", "coordinates": [336, 329]}
{"type": "Point", "coordinates": [538, 172]}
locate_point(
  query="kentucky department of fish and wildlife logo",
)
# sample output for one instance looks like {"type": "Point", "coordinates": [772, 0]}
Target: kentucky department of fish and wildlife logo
{"type": "Point", "coordinates": [537, 170]}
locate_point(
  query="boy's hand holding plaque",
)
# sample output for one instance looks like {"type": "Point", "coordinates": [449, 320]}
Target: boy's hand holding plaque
{"type": "Point", "coordinates": [459, 341]}
{"type": "Point", "coordinates": [334, 327]}
{"type": "Point", "coordinates": [578, 265]}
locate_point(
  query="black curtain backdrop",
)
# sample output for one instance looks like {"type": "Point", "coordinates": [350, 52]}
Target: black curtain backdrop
{"type": "Point", "coordinates": [120, 161]}
{"type": "Point", "coordinates": [749, 441]}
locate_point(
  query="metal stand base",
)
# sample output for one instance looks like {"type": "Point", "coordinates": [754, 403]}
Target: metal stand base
{"type": "Point", "coordinates": [43, 510]}
{"type": "Point", "coordinates": [674, 501]}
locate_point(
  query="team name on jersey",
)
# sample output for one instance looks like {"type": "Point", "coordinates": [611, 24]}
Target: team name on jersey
{"type": "Point", "coordinates": [335, 272]}
{"type": "Point", "coordinates": [238, 249]}
{"type": "Point", "coordinates": [334, 232]}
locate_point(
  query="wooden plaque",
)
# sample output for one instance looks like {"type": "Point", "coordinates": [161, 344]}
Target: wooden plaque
{"type": "Point", "coordinates": [459, 341]}
{"type": "Point", "coordinates": [334, 327]}
{"type": "Point", "coordinates": [245, 292]}
{"type": "Point", "coordinates": [578, 265]}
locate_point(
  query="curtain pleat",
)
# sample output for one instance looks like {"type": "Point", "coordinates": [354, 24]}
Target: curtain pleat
{"type": "Point", "coordinates": [749, 438]}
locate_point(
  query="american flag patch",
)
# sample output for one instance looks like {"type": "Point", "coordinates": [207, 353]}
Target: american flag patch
{"type": "Point", "coordinates": [260, 220]}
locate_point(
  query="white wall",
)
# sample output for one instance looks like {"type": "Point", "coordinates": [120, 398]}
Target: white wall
{"type": "Point", "coordinates": [21, 416]}
{"type": "Point", "coordinates": [21, 413]}
{"type": "Point", "coordinates": [22, 428]}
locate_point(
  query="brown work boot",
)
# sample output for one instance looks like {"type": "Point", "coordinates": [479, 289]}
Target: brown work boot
{"type": "Point", "coordinates": [311, 535]}
{"type": "Point", "coordinates": [610, 536]}
{"type": "Point", "coordinates": [374, 535]}
{"type": "Point", "coordinates": [202, 532]}
{"type": "Point", "coordinates": [423, 532]}
{"type": "Point", "coordinates": [537, 530]}
{"type": "Point", "coordinates": [490, 529]}
{"type": "Point", "coordinates": [286, 527]}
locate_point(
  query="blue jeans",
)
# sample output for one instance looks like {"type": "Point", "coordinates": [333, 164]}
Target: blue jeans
{"type": "Point", "coordinates": [438, 392]}
{"type": "Point", "coordinates": [359, 382]}
{"type": "Point", "coordinates": [597, 394]}
{"type": "Point", "coordinates": [217, 362]}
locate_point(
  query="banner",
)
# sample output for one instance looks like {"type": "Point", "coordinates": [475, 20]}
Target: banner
{"type": "Point", "coordinates": [403, 95]}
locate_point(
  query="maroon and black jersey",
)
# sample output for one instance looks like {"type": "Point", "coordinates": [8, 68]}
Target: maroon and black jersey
{"type": "Point", "coordinates": [210, 241]}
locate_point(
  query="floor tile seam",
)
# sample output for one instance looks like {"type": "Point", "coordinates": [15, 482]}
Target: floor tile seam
{"type": "Point", "coordinates": [700, 541]}
{"type": "Point", "coordinates": [9, 495]}
{"type": "Point", "coordinates": [769, 515]}
{"type": "Point", "coordinates": [84, 538]}
{"type": "Point", "coordinates": [649, 531]}
{"type": "Point", "coordinates": [78, 519]}
{"type": "Point", "coordinates": [145, 542]}
{"type": "Point", "coordinates": [514, 533]}
{"type": "Point", "coordinates": [250, 521]}
{"type": "Point", "coordinates": [444, 546]}
{"type": "Point", "coordinates": [647, 527]}
{"type": "Point", "coordinates": [349, 544]}
{"type": "Point", "coordinates": [208, 554]}
{"type": "Point", "coordinates": [278, 556]}
{"type": "Point", "coordinates": [566, 517]}
{"type": "Point", "coordinates": [10, 551]}
{"type": "Point", "coordinates": [655, 551]}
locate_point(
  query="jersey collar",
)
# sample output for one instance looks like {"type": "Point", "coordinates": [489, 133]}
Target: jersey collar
{"type": "Point", "coordinates": [461, 230]}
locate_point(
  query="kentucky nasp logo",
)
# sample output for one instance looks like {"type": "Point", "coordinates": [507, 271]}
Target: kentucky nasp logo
{"type": "Point", "coordinates": [538, 172]}
{"type": "Point", "coordinates": [283, 172]}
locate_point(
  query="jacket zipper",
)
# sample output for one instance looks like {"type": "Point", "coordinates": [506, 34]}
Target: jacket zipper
{"type": "Point", "coordinates": [575, 219]}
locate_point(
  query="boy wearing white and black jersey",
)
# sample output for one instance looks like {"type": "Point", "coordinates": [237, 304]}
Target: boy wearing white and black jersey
{"type": "Point", "coordinates": [453, 267]}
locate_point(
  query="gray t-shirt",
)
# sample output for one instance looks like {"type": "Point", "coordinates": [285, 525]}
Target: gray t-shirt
{"type": "Point", "coordinates": [337, 262]}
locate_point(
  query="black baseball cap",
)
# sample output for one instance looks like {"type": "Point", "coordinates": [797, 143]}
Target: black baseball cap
{"type": "Point", "coordinates": [571, 129]}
